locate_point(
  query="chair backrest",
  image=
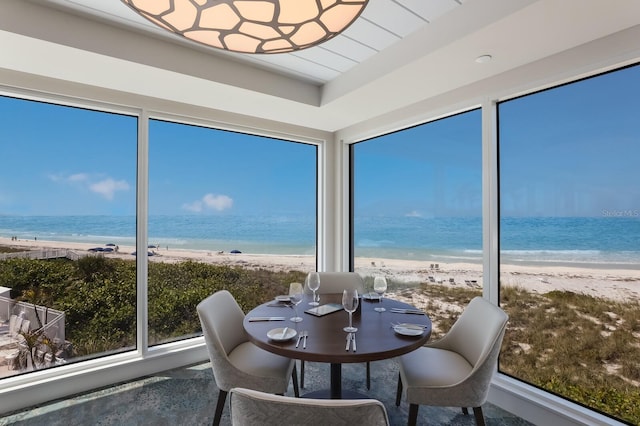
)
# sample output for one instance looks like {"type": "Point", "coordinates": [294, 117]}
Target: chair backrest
{"type": "Point", "coordinates": [477, 331]}
{"type": "Point", "coordinates": [249, 408]}
{"type": "Point", "coordinates": [221, 319]}
{"type": "Point", "coordinates": [336, 282]}
{"type": "Point", "coordinates": [15, 322]}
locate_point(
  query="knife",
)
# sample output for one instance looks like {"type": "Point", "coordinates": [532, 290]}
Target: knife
{"type": "Point", "coordinates": [407, 311]}
{"type": "Point", "coordinates": [284, 332]}
{"type": "Point", "coordinates": [266, 319]}
{"type": "Point", "coordinates": [348, 342]}
{"type": "Point", "coordinates": [353, 339]}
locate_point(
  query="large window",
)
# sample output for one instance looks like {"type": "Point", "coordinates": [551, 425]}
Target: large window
{"type": "Point", "coordinates": [570, 240]}
{"type": "Point", "coordinates": [67, 212]}
{"type": "Point", "coordinates": [226, 210]}
{"type": "Point", "coordinates": [417, 208]}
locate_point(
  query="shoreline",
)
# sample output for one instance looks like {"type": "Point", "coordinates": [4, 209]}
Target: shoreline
{"type": "Point", "coordinates": [610, 282]}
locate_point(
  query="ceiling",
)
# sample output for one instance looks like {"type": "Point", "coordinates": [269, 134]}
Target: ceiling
{"type": "Point", "coordinates": [397, 54]}
{"type": "Point", "coordinates": [383, 23]}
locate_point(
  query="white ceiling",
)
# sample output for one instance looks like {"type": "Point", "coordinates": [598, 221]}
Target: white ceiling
{"type": "Point", "coordinates": [383, 23]}
{"type": "Point", "coordinates": [397, 54]}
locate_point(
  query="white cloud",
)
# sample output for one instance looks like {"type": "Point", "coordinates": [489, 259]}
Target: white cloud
{"type": "Point", "coordinates": [74, 178]}
{"type": "Point", "coordinates": [108, 187]}
{"type": "Point", "coordinates": [413, 213]}
{"type": "Point", "coordinates": [209, 202]}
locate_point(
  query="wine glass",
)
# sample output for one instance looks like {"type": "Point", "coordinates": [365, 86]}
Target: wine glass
{"type": "Point", "coordinates": [350, 304]}
{"type": "Point", "coordinates": [295, 297]}
{"type": "Point", "coordinates": [313, 282]}
{"type": "Point", "coordinates": [380, 286]}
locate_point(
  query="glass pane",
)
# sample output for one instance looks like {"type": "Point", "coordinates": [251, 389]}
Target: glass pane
{"type": "Point", "coordinates": [227, 211]}
{"type": "Point", "coordinates": [570, 241]}
{"type": "Point", "coordinates": [67, 205]}
{"type": "Point", "coordinates": [417, 208]}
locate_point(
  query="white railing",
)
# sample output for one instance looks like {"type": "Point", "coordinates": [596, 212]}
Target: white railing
{"type": "Point", "coordinates": [53, 321]}
{"type": "Point", "coordinates": [43, 254]}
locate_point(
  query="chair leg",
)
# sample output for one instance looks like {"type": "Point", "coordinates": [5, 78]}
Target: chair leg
{"type": "Point", "coordinates": [294, 378]}
{"type": "Point", "coordinates": [222, 397]}
{"type": "Point", "coordinates": [477, 411]}
{"type": "Point", "coordinates": [413, 414]}
{"type": "Point", "coordinates": [399, 391]}
{"type": "Point", "coordinates": [368, 376]}
{"type": "Point", "coordinates": [302, 374]}
{"type": "Point", "coordinates": [465, 411]}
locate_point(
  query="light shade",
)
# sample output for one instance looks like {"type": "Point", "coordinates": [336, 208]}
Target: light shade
{"type": "Point", "coordinates": [252, 26]}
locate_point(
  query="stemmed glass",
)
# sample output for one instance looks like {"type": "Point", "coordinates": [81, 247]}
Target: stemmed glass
{"type": "Point", "coordinates": [350, 304]}
{"type": "Point", "coordinates": [313, 282]}
{"type": "Point", "coordinates": [295, 297]}
{"type": "Point", "coordinates": [380, 286]}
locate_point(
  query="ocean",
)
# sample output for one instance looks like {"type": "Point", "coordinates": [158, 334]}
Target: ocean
{"type": "Point", "coordinates": [604, 241]}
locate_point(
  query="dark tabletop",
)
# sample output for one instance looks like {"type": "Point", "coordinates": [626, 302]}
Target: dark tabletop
{"type": "Point", "coordinates": [375, 338]}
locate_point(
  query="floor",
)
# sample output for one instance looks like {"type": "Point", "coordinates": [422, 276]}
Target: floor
{"type": "Point", "coordinates": [186, 396]}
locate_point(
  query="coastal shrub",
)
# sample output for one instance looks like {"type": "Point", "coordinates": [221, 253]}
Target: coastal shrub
{"type": "Point", "coordinates": [574, 345]}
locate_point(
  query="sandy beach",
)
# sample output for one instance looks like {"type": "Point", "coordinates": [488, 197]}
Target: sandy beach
{"type": "Point", "coordinates": [616, 284]}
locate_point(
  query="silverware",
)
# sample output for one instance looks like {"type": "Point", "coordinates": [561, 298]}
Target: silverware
{"type": "Point", "coordinates": [407, 311]}
{"type": "Point", "coordinates": [299, 337]}
{"type": "Point", "coordinates": [253, 319]}
{"type": "Point", "coordinates": [305, 334]}
{"type": "Point", "coordinates": [284, 332]}
{"type": "Point", "coordinates": [348, 342]}
{"type": "Point", "coordinates": [353, 339]}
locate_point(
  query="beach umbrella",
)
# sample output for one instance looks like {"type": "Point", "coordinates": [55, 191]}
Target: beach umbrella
{"type": "Point", "coordinates": [110, 245]}
{"type": "Point", "coordinates": [235, 251]}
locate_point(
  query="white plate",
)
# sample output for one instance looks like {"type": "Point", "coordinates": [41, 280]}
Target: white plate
{"type": "Point", "coordinates": [371, 296]}
{"type": "Point", "coordinates": [285, 298]}
{"type": "Point", "coordinates": [276, 334]}
{"type": "Point", "coordinates": [408, 329]}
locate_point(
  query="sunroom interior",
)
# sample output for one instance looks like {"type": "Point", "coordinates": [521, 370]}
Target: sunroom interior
{"type": "Point", "coordinates": [403, 63]}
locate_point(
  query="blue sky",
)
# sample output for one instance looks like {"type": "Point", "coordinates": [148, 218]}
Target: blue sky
{"type": "Point", "coordinates": [570, 151]}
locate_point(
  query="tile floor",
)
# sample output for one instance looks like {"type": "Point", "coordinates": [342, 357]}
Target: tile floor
{"type": "Point", "coordinates": [186, 396]}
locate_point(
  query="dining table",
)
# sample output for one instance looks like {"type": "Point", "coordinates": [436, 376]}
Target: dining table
{"type": "Point", "coordinates": [378, 337]}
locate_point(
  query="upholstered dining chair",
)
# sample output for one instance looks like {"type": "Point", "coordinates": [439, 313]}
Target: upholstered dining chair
{"type": "Point", "coordinates": [236, 362]}
{"type": "Point", "coordinates": [456, 370]}
{"type": "Point", "coordinates": [337, 282]}
{"type": "Point", "coordinates": [249, 408]}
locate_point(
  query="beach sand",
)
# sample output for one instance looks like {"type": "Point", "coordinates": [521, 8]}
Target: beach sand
{"type": "Point", "coordinates": [616, 284]}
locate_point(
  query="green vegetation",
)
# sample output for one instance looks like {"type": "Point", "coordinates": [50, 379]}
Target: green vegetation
{"type": "Point", "coordinates": [577, 346]}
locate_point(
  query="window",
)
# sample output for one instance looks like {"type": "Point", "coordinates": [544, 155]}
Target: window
{"type": "Point", "coordinates": [417, 208]}
{"type": "Point", "coordinates": [67, 214]}
{"type": "Point", "coordinates": [226, 210]}
{"type": "Point", "coordinates": [570, 240]}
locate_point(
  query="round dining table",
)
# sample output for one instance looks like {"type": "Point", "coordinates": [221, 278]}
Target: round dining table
{"type": "Point", "coordinates": [376, 339]}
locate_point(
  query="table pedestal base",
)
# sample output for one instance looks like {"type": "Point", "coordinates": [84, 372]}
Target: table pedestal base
{"type": "Point", "coordinates": [335, 392]}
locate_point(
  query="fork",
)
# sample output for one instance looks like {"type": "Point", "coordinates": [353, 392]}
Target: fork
{"type": "Point", "coordinates": [305, 334]}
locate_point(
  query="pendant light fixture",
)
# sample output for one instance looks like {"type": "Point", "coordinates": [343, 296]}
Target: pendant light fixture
{"type": "Point", "coordinates": [252, 26]}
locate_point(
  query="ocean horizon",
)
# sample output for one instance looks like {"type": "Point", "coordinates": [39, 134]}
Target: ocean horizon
{"type": "Point", "coordinates": [602, 241]}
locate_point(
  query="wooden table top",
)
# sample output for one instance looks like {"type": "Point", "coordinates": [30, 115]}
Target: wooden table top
{"type": "Point", "coordinates": [376, 339]}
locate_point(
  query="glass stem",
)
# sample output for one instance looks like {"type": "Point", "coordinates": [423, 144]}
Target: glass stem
{"type": "Point", "coordinates": [350, 325]}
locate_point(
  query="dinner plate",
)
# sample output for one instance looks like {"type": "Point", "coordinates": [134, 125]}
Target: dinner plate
{"type": "Point", "coordinates": [408, 329]}
{"type": "Point", "coordinates": [371, 296]}
{"type": "Point", "coordinates": [284, 298]}
{"type": "Point", "coordinates": [276, 334]}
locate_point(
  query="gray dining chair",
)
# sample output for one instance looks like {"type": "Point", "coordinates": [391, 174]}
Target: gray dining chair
{"type": "Point", "coordinates": [236, 362]}
{"type": "Point", "coordinates": [336, 283]}
{"type": "Point", "coordinates": [456, 370]}
{"type": "Point", "coordinates": [250, 408]}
